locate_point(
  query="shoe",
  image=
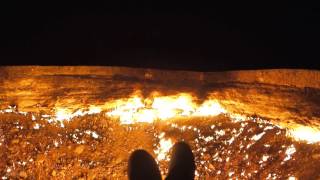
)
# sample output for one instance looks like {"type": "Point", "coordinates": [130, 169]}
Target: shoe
{"type": "Point", "coordinates": [182, 165]}
{"type": "Point", "coordinates": [142, 166]}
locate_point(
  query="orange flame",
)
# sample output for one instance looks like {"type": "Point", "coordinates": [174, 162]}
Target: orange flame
{"type": "Point", "coordinates": [305, 133]}
{"type": "Point", "coordinates": [136, 109]}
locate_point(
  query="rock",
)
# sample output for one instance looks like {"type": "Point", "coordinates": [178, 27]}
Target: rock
{"type": "Point", "coordinates": [23, 174]}
{"type": "Point", "coordinates": [63, 174]}
{"type": "Point", "coordinates": [53, 173]}
{"type": "Point", "coordinates": [211, 166]}
{"type": "Point", "coordinates": [91, 176]}
{"type": "Point", "coordinates": [79, 149]}
{"type": "Point", "coordinates": [315, 156]}
{"type": "Point", "coordinates": [13, 130]}
{"type": "Point", "coordinates": [15, 141]}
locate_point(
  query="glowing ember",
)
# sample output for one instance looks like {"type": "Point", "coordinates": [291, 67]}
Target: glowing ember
{"type": "Point", "coordinates": [163, 149]}
{"type": "Point", "coordinates": [289, 152]}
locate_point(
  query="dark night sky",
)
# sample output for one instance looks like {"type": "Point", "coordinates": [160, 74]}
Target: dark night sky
{"type": "Point", "coordinates": [222, 35]}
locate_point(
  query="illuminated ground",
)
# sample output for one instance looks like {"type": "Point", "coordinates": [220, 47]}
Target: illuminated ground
{"type": "Point", "coordinates": [83, 122]}
{"type": "Point", "coordinates": [95, 146]}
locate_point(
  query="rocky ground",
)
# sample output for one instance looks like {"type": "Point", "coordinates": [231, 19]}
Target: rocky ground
{"type": "Point", "coordinates": [33, 146]}
{"type": "Point", "coordinates": [97, 147]}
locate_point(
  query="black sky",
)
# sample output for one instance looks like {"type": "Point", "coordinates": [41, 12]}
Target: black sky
{"type": "Point", "coordinates": [220, 35]}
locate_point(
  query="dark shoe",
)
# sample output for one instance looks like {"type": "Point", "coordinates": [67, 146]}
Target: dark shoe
{"type": "Point", "coordinates": [142, 166]}
{"type": "Point", "coordinates": [182, 165]}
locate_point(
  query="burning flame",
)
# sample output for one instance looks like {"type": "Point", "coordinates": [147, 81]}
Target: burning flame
{"type": "Point", "coordinates": [305, 133]}
{"type": "Point", "coordinates": [148, 110]}
{"type": "Point", "coordinates": [66, 114]}
{"type": "Point", "coordinates": [138, 109]}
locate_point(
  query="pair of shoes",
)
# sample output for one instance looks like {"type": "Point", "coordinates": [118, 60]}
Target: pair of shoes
{"type": "Point", "coordinates": [142, 166]}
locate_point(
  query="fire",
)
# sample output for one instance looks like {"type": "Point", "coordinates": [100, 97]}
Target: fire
{"type": "Point", "coordinates": [137, 109]}
{"type": "Point", "coordinates": [128, 109]}
{"type": "Point", "coordinates": [210, 108]}
{"type": "Point", "coordinates": [305, 133]}
{"type": "Point", "coordinates": [66, 114]}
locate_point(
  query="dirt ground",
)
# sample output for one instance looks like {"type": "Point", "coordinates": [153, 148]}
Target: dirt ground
{"type": "Point", "coordinates": [97, 147]}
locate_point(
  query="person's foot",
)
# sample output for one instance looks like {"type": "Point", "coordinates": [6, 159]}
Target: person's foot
{"type": "Point", "coordinates": [142, 166]}
{"type": "Point", "coordinates": [182, 165]}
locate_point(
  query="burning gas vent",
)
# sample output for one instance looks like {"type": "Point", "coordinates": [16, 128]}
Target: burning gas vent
{"type": "Point", "coordinates": [83, 122]}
